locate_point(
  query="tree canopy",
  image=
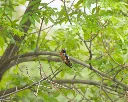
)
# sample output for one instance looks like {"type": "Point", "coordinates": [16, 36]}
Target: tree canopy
{"type": "Point", "coordinates": [94, 34]}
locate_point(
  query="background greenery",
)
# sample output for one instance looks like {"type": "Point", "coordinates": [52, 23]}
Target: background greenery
{"type": "Point", "coordinates": [95, 35]}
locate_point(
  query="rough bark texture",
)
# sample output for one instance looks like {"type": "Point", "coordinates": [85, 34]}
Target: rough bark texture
{"type": "Point", "coordinates": [12, 49]}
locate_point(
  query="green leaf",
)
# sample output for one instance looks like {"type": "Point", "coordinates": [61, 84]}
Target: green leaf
{"type": "Point", "coordinates": [46, 20]}
{"type": "Point", "coordinates": [36, 17]}
{"type": "Point", "coordinates": [52, 99]}
{"type": "Point", "coordinates": [34, 2]}
{"type": "Point", "coordinates": [1, 12]}
{"type": "Point", "coordinates": [1, 42]}
{"type": "Point", "coordinates": [24, 19]}
{"type": "Point", "coordinates": [78, 4]}
{"type": "Point", "coordinates": [33, 45]}
{"type": "Point", "coordinates": [121, 38]}
{"type": "Point", "coordinates": [56, 94]}
{"type": "Point", "coordinates": [84, 3]}
{"type": "Point", "coordinates": [50, 18]}
{"type": "Point", "coordinates": [32, 20]}
{"type": "Point", "coordinates": [88, 3]}
{"type": "Point", "coordinates": [62, 74]}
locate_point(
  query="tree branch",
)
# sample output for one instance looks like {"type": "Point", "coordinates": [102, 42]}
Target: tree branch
{"type": "Point", "coordinates": [67, 12]}
{"type": "Point", "coordinates": [73, 59]}
{"type": "Point", "coordinates": [12, 49]}
{"type": "Point", "coordinates": [18, 89]}
{"type": "Point", "coordinates": [64, 81]}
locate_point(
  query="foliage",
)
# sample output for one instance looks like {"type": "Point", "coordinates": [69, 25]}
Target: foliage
{"type": "Point", "coordinates": [94, 33]}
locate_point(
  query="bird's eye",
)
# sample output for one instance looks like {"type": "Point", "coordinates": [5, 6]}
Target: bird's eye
{"type": "Point", "coordinates": [63, 50]}
{"type": "Point", "coordinates": [64, 54]}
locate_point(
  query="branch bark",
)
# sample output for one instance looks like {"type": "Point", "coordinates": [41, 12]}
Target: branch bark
{"type": "Point", "coordinates": [64, 81]}
{"type": "Point", "coordinates": [12, 49]}
{"type": "Point", "coordinates": [72, 59]}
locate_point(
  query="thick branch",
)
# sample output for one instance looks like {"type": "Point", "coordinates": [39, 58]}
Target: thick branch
{"type": "Point", "coordinates": [12, 49]}
{"type": "Point", "coordinates": [88, 82]}
{"type": "Point", "coordinates": [32, 58]}
{"type": "Point", "coordinates": [74, 60]}
{"type": "Point", "coordinates": [14, 90]}
{"type": "Point", "coordinates": [77, 82]}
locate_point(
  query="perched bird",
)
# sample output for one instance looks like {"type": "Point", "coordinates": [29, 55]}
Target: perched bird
{"type": "Point", "coordinates": [62, 54]}
{"type": "Point", "coordinates": [67, 62]}
{"type": "Point", "coordinates": [65, 58]}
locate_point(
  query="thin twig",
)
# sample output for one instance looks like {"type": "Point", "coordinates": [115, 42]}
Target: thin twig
{"type": "Point", "coordinates": [39, 35]}
{"type": "Point", "coordinates": [67, 12]}
{"type": "Point", "coordinates": [47, 4]}
{"type": "Point", "coordinates": [72, 4]}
